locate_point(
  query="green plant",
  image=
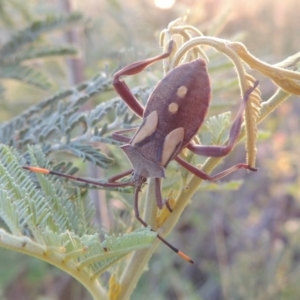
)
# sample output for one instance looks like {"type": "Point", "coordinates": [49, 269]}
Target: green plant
{"type": "Point", "coordinates": [63, 232]}
{"type": "Point", "coordinates": [24, 47]}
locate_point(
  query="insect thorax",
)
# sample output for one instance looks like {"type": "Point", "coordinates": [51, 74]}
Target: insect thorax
{"type": "Point", "coordinates": [143, 168]}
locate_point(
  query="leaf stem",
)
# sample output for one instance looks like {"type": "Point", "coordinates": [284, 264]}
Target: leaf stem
{"type": "Point", "coordinates": [27, 246]}
{"type": "Point", "coordinates": [137, 263]}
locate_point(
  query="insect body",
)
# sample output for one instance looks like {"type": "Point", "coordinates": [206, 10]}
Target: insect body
{"type": "Point", "coordinates": [173, 115]}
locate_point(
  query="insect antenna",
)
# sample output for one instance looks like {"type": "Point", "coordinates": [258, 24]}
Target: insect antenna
{"type": "Point", "coordinates": [112, 184]}
{"type": "Point", "coordinates": [137, 215]}
{"type": "Point", "coordinates": [85, 180]}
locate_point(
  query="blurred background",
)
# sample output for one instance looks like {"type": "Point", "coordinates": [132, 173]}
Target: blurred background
{"type": "Point", "coordinates": [246, 242]}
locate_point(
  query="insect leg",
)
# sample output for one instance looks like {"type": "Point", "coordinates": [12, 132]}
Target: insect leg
{"type": "Point", "coordinates": [118, 135]}
{"type": "Point", "coordinates": [197, 172]}
{"type": "Point", "coordinates": [123, 90]}
{"type": "Point", "coordinates": [159, 200]}
{"type": "Point", "coordinates": [137, 215]}
{"type": "Point", "coordinates": [120, 175]}
{"type": "Point", "coordinates": [219, 151]}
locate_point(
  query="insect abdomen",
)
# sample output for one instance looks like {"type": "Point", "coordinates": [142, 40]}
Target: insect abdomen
{"type": "Point", "coordinates": [181, 99]}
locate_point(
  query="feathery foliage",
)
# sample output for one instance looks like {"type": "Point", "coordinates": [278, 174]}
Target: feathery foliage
{"type": "Point", "coordinates": [45, 221]}
{"type": "Point", "coordinates": [216, 125]}
{"type": "Point", "coordinates": [43, 218]}
{"type": "Point", "coordinates": [27, 45]}
{"type": "Point", "coordinates": [58, 124]}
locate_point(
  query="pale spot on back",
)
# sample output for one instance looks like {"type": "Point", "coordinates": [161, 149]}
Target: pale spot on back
{"type": "Point", "coordinates": [171, 143]}
{"type": "Point", "coordinates": [173, 108]}
{"type": "Point", "coordinates": [146, 129]}
{"type": "Point", "coordinates": [181, 92]}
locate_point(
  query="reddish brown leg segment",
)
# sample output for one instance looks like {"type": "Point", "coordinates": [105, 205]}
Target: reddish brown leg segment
{"type": "Point", "coordinates": [197, 172]}
{"type": "Point", "coordinates": [219, 151]}
{"type": "Point", "coordinates": [120, 175]}
{"type": "Point", "coordinates": [123, 90]}
{"type": "Point", "coordinates": [118, 135]}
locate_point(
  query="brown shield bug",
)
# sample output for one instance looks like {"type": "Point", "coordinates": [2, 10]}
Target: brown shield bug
{"type": "Point", "coordinates": [173, 115]}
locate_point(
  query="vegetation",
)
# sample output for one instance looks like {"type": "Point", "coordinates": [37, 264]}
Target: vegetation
{"type": "Point", "coordinates": [232, 228]}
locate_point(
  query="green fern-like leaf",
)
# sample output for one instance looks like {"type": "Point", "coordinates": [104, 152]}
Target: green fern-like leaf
{"type": "Point", "coordinates": [48, 223]}
{"type": "Point", "coordinates": [216, 125]}
{"type": "Point", "coordinates": [20, 10]}
{"type": "Point", "coordinates": [25, 74]}
{"type": "Point", "coordinates": [91, 154]}
{"type": "Point", "coordinates": [44, 51]}
{"type": "Point", "coordinates": [26, 45]}
{"type": "Point", "coordinates": [34, 31]}
{"type": "Point", "coordinates": [56, 118]}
